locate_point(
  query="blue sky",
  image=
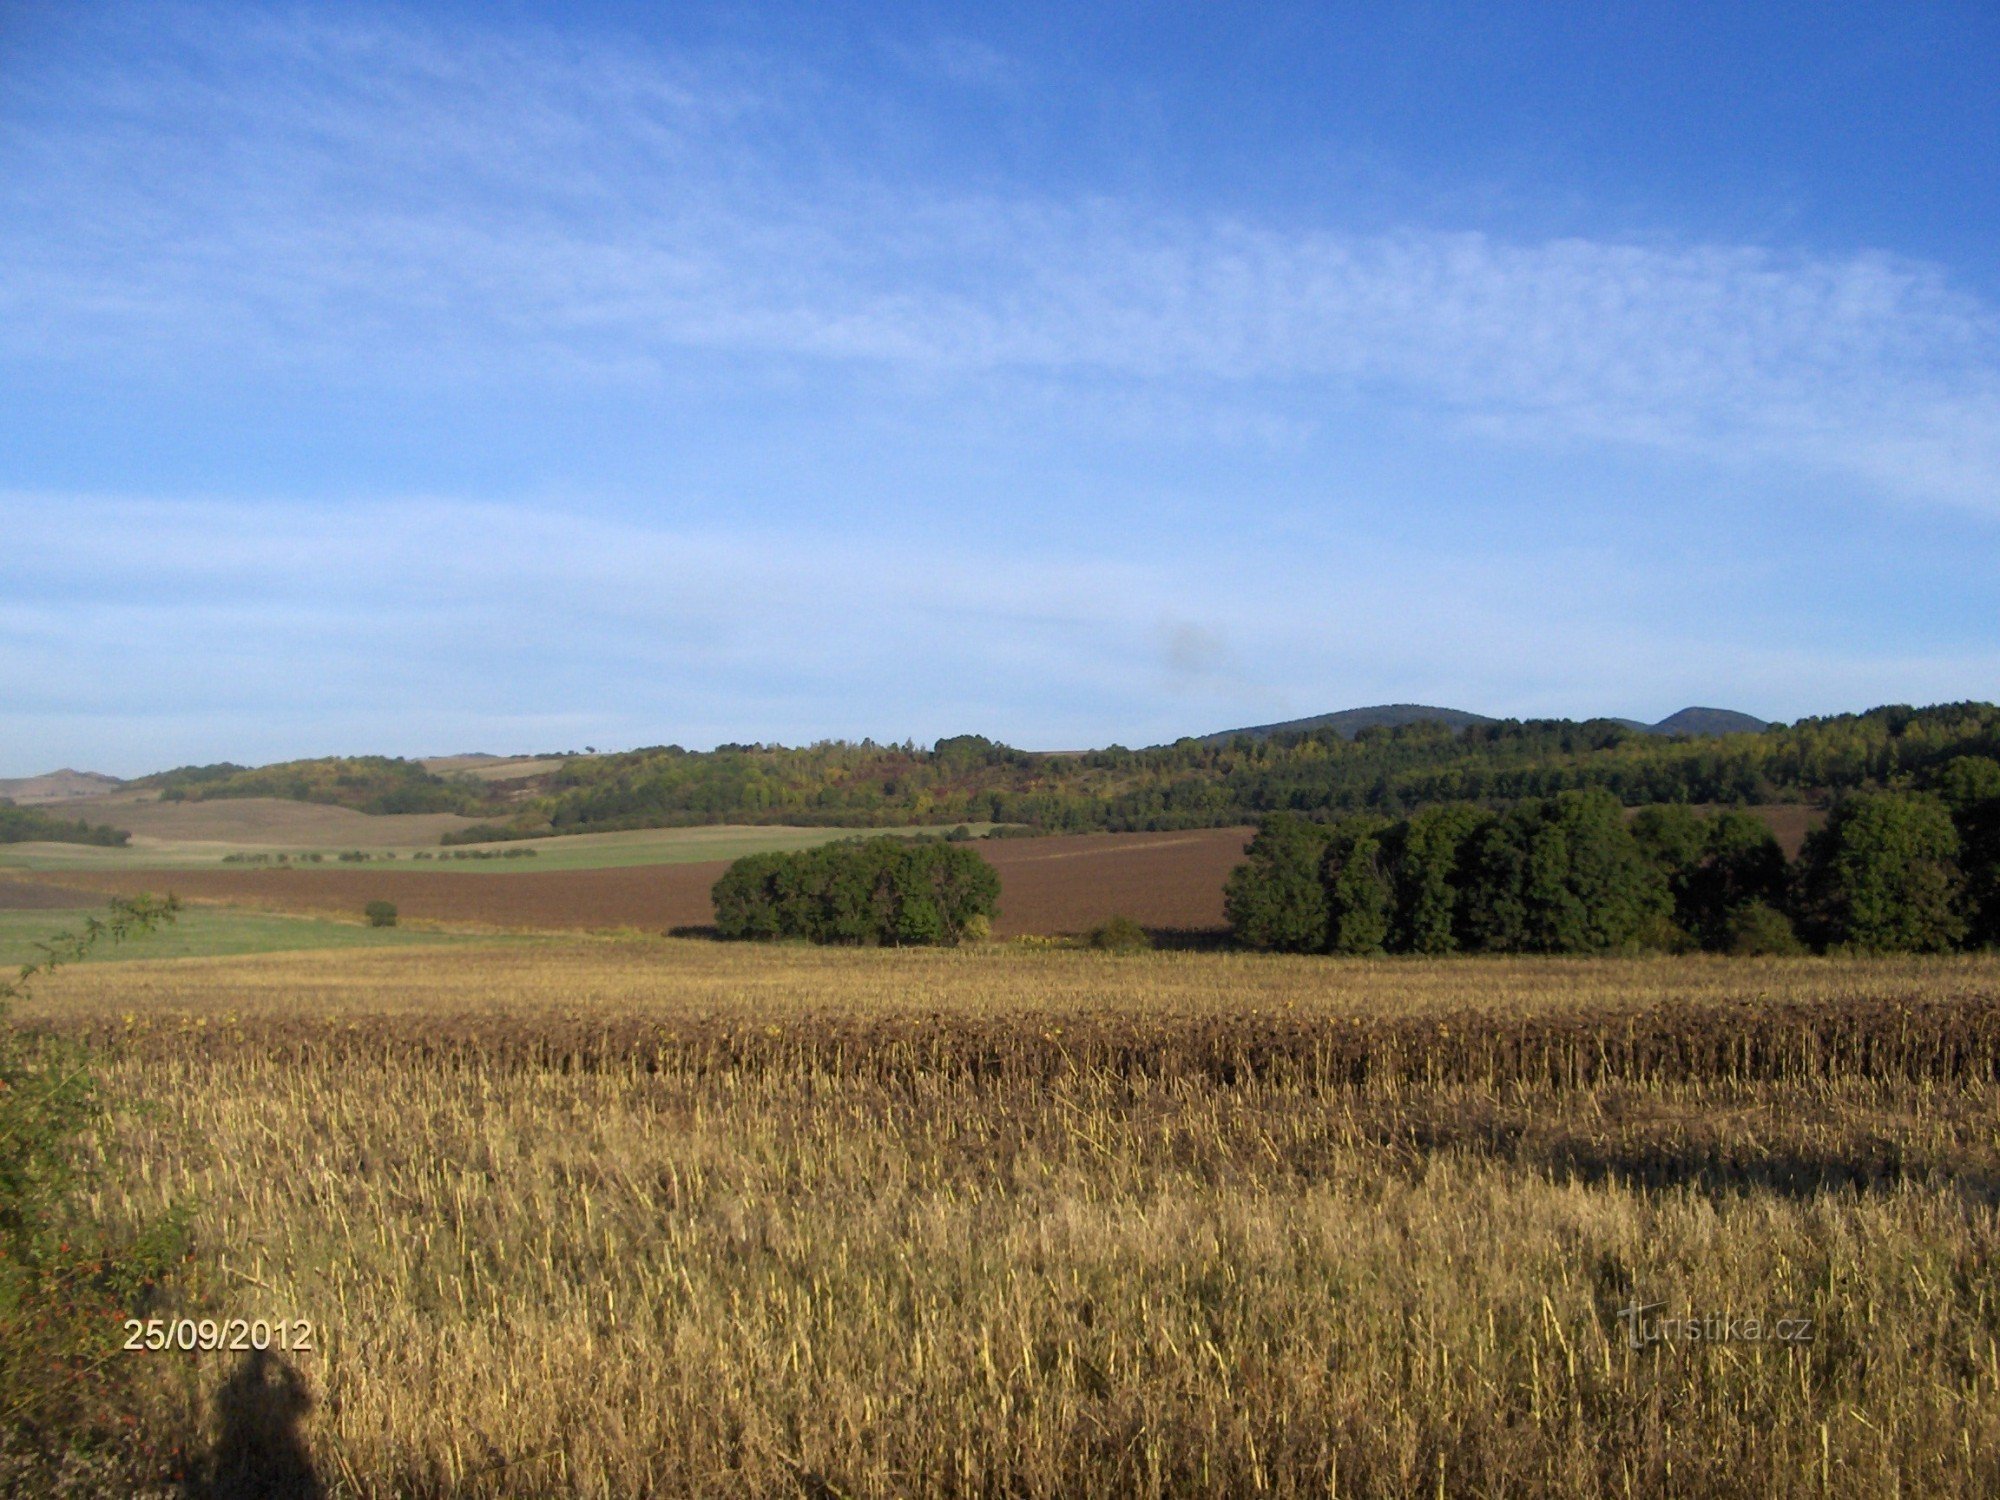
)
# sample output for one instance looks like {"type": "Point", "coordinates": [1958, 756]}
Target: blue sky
{"type": "Point", "coordinates": [482, 377]}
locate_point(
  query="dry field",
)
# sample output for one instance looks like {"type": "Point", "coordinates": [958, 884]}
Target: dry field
{"type": "Point", "coordinates": [665, 1217]}
{"type": "Point", "coordinates": [1168, 881]}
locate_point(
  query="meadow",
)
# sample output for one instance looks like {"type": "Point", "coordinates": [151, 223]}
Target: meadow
{"type": "Point", "coordinates": [187, 836]}
{"type": "Point", "coordinates": [204, 932]}
{"type": "Point", "coordinates": [675, 1217]}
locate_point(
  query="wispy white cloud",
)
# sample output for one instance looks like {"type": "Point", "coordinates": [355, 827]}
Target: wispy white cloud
{"type": "Point", "coordinates": [387, 200]}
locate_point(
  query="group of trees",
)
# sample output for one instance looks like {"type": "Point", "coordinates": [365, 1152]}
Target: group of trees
{"type": "Point", "coordinates": [1891, 871]}
{"type": "Point", "coordinates": [30, 825]}
{"type": "Point", "coordinates": [366, 783]}
{"type": "Point", "coordinates": [876, 891]}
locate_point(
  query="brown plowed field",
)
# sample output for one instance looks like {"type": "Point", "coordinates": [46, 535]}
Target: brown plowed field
{"type": "Point", "coordinates": [1168, 881]}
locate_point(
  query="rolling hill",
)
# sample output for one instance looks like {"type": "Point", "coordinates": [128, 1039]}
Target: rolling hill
{"type": "Point", "coordinates": [56, 786]}
{"type": "Point", "coordinates": [1349, 722]}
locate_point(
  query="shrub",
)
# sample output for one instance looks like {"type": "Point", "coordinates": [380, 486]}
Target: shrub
{"type": "Point", "coordinates": [380, 913]}
{"type": "Point", "coordinates": [65, 1282]}
{"type": "Point", "coordinates": [1757, 927]}
{"type": "Point", "coordinates": [1119, 935]}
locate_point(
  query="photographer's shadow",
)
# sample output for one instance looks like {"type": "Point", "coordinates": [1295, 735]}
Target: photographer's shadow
{"type": "Point", "coordinates": [259, 1450]}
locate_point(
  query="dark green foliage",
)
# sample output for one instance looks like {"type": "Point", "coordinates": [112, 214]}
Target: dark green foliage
{"type": "Point", "coordinates": [1358, 894]}
{"type": "Point", "coordinates": [1883, 876]}
{"type": "Point", "coordinates": [1275, 899]}
{"type": "Point", "coordinates": [1758, 928]}
{"type": "Point", "coordinates": [30, 825]}
{"type": "Point", "coordinates": [876, 891]}
{"type": "Point", "coordinates": [1119, 935]}
{"type": "Point", "coordinates": [380, 913]}
{"type": "Point", "coordinates": [1715, 867]}
{"type": "Point", "coordinates": [1551, 875]}
{"type": "Point", "coordinates": [1428, 853]}
{"type": "Point", "coordinates": [1970, 787]}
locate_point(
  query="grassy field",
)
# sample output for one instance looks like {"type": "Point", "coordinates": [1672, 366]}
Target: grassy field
{"type": "Point", "coordinates": [207, 836]}
{"type": "Point", "coordinates": [669, 1217]}
{"type": "Point", "coordinates": [201, 932]}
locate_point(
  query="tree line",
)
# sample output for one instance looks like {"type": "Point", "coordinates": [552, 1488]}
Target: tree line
{"type": "Point", "coordinates": [882, 891]}
{"type": "Point", "coordinates": [366, 783]}
{"type": "Point", "coordinates": [30, 825]}
{"type": "Point", "coordinates": [1907, 870]}
{"type": "Point", "coordinates": [1390, 772]}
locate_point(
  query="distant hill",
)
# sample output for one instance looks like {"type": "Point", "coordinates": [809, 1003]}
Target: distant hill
{"type": "Point", "coordinates": [1351, 721]}
{"type": "Point", "coordinates": [56, 786]}
{"type": "Point", "coordinates": [1709, 721]}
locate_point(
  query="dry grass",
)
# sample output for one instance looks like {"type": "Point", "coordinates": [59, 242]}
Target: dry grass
{"type": "Point", "coordinates": [659, 1217]}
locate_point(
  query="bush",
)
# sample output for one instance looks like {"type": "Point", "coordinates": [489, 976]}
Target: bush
{"type": "Point", "coordinates": [1759, 928]}
{"type": "Point", "coordinates": [380, 913]}
{"type": "Point", "coordinates": [1119, 935]}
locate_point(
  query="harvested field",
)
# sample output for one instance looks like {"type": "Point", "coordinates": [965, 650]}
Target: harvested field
{"type": "Point", "coordinates": [1168, 881]}
{"type": "Point", "coordinates": [37, 895]}
{"type": "Point", "coordinates": [268, 822]}
{"type": "Point", "coordinates": [651, 1216]}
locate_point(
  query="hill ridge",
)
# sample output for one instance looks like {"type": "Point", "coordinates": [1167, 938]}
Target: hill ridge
{"type": "Point", "coordinates": [1348, 722]}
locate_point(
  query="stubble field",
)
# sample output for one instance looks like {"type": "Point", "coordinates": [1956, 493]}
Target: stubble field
{"type": "Point", "coordinates": [675, 1217]}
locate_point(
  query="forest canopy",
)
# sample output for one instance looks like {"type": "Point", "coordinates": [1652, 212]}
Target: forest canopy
{"type": "Point", "coordinates": [1389, 772]}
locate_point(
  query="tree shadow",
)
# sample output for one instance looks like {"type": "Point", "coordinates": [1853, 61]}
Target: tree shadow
{"type": "Point", "coordinates": [1191, 939]}
{"type": "Point", "coordinates": [260, 1453]}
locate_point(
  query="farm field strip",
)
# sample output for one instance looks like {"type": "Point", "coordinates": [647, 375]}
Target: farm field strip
{"type": "Point", "coordinates": [405, 835]}
{"type": "Point", "coordinates": [1168, 881]}
{"type": "Point", "coordinates": [201, 932]}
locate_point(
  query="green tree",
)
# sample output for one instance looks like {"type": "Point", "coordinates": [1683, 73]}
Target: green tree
{"type": "Point", "coordinates": [1883, 875]}
{"type": "Point", "coordinates": [1359, 897]}
{"type": "Point", "coordinates": [1427, 853]}
{"type": "Point", "coordinates": [1275, 899]}
{"type": "Point", "coordinates": [1970, 787]}
{"type": "Point", "coordinates": [1561, 875]}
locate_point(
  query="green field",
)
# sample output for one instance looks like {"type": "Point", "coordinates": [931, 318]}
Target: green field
{"type": "Point", "coordinates": [202, 932]}
{"type": "Point", "coordinates": [583, 851]}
